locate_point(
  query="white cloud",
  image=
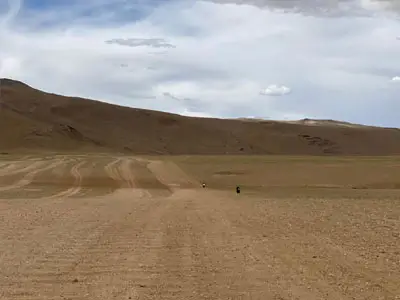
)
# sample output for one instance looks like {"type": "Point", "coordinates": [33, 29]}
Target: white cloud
{"type": "Point", "coordinates": [317, 7]}
{"type": "Point", "coordinates": [188, 113]}
{"type": "Point", "coordinates": [224, 54]}
{"type": "Point", "coordinates": [276, 90]}
{"type": "Point", "coordinates": [396, 78]}
{"type": "Point", "coordinates": [136, 42]}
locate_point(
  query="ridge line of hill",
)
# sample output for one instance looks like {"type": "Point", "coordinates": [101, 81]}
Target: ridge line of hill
{"type": "Point", "coordinates": [37, 120]}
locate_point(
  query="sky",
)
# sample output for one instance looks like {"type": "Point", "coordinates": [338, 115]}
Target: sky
{"type": "Point", "coordinates": [269, 59]}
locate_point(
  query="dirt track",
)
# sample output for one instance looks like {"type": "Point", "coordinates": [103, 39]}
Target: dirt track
{"type": "Point", "coordinates": [84, 227]}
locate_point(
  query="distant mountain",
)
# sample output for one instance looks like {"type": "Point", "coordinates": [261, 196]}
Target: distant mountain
{"type": "Point", "coordinates": [34, 120]}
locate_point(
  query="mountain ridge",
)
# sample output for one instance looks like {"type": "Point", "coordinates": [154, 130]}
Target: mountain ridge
{"type": "Point", "coordinates": [46, 121]}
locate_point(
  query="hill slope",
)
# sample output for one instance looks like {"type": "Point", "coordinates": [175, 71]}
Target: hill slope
{"type": "Point", "coordinates": [32, 119]}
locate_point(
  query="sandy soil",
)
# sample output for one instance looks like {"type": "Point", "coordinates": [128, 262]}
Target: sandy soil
{"type": "Point", "coordinates": [104, 227]}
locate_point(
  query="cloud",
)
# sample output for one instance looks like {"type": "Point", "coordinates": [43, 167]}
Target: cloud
{"type": "Point", "coordinates": [337, 63]}
{"type": "Point", "coordinates": [14, 6]}
{"type": "Point", "coordinates": [136, 42]}
{"type": "Point", "coordinates": [189, 113]}
{"type": "Point", "coordinates": [192, 106]}
{"type": "Point", "coordinates": [166, 94]}
{"type": "Point", "coordinates": [330, 8]}
{"type": "Point", "coordinates": [276, 90]}
{"type": "Point", "coordinates": [396, 78]}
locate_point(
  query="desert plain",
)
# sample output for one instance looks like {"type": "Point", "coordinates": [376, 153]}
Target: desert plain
{"type": "Point", "coordinates": [117, 226]}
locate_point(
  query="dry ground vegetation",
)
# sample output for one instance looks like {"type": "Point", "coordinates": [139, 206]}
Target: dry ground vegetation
{"type": "Point", "coordinates": [124, 227]}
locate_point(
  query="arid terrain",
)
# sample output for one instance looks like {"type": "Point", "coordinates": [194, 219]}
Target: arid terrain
{"type": "Point", "coordinates": [41, 121]}
{"type": "Point", "coordinates": [99, 201]}
{"type": "Point", "coordinates": [96, 226]}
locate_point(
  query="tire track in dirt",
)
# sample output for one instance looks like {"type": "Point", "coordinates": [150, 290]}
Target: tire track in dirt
{"type": "Point", "coordinates": [171, 259]}
{"type": "Point", "coordinates": [171, 175]}
{"type": "Point", "coordinates": [4, 165]}
{"type": "Point", "coordinates": [73, 190]}
{"type": "Point", "coordinates": [123, 170]}
{"type": "Point", "coordinates": [96, 180]}
{"type": "Point", "coordinates": [120, 170]}
{"type": "Point", "coordinates": [112, 169]}
{"type": "Point", "coordinates": [114, 264]}
{"type": "Point", "coordinates": [96, 244]}
{"type": "Point", "coordinates": [14, 168]}
{"type": "Point", "coordinates": [129, 175]}
{"type": "Point", "coordinates": [133, 173]}
{"type": "Point", "coordinates": [193, 244]}
{"type": "Point", "coordinates": [208, 254]}
{"type": "Point", "coordinates": [142, 177]}
{"type": "Point", "coordinates": [27, 179]}
{"type": "Point", "coordinates": [215, 258]}
{"type": "Point", "coordinates": [126, 172]}
{"type": "Point", "coordinates": [47, 183]}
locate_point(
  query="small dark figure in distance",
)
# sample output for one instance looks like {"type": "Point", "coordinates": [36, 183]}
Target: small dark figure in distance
{"type": "Point", "coordinates": [238, 190]}
{"type": "Point", "coordinates": [204, 185]}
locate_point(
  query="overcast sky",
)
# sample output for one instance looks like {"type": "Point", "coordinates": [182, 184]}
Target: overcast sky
{"type": "Point", "coordinates": [273, 59]}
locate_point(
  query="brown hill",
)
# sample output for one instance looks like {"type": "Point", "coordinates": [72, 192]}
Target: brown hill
{"type": "Point", "coordinates": [34, 120]}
